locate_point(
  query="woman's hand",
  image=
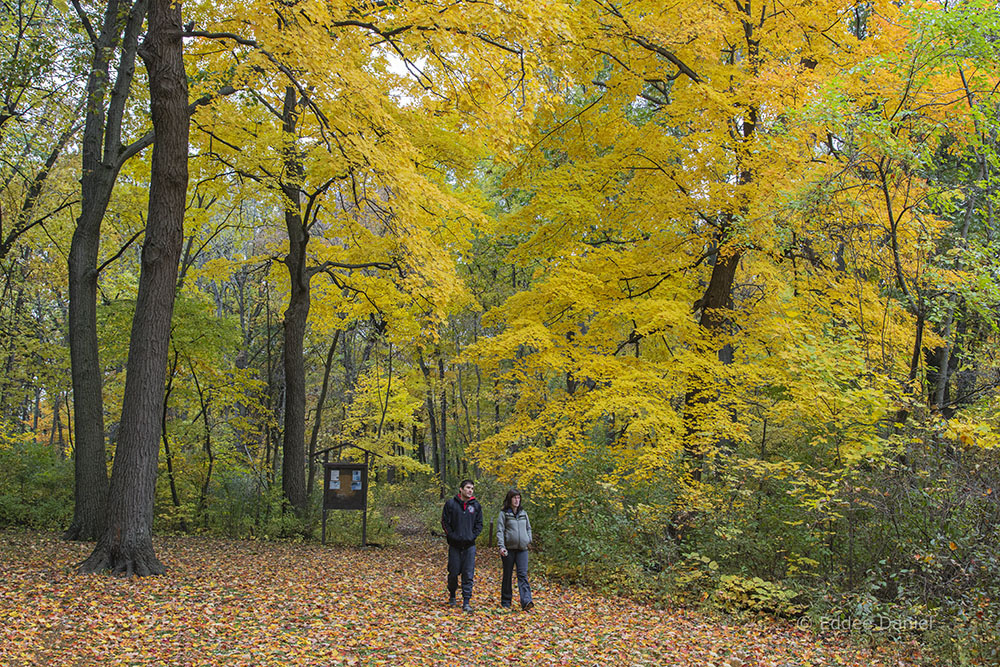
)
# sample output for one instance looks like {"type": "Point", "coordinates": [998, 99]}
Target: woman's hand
{"type": "Point", "coordinates": [503, 552]}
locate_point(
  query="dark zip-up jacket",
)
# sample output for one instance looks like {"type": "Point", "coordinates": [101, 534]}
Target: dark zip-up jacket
{"type": "Point", "coordinates": [462, 521]}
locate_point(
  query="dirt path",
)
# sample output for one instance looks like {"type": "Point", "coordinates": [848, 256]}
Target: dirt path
{"type": "Point", "coordinates": [252, 603]}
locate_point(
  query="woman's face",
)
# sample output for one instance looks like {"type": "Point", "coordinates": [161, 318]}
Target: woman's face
{"type": "Point", "coordinates": [515, 502]}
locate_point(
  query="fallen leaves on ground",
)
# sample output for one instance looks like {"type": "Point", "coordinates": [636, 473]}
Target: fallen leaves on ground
{"type": "Point", "coordinates": [254, 603]}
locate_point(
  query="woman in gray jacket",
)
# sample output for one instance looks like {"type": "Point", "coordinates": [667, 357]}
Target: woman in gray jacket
{"type": "Point", "coordinates": [513, 537]}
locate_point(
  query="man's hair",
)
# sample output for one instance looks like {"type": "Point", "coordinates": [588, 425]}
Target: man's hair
{"type": "Point", "coordinates": [464, 482]}
{"type": "Point", "coordinates": [507, 504]}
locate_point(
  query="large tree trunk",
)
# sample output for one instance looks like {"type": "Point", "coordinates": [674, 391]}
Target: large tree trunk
{"type": "Point", "coordinates": [717, 303]}
{"type": "Point", "coordinates": [714, 318]}
{"type": "Point", "coordinates": [293, 476]}
{"type": "Point", "coordinates": [90, 465]}
{"type": "Point", "coordinates": [102, 157]}
{"type": "Point", "coordinates": [126, 546]}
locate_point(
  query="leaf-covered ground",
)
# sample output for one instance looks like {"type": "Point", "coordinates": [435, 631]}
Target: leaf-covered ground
{"type": "Point", "coordinates": [252, 603]}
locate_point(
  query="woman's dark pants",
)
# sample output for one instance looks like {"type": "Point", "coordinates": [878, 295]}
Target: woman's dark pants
{"type": "Point", "coordinates": [515, 558]}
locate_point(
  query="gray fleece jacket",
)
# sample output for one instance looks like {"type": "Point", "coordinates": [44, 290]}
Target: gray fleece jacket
{"type": "Point", "coordinates": [513, 530]}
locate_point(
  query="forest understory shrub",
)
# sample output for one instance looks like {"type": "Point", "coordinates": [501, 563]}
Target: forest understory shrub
{"type": "Point", "coordinates": [904, 549]}
{"type": "Point", "coordinates": [36, 485]}
{"type": "Point", "coordinates": [243, 505]}
{"type": "Point", "coordinates": [415, 495]}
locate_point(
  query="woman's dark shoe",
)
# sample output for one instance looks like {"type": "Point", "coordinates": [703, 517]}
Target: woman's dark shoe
{"type": "Point", "coordinates": [527, 606]}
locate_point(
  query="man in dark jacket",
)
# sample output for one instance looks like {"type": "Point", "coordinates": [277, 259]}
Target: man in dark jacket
{"type": "Point", "coordinates": [462, 521]}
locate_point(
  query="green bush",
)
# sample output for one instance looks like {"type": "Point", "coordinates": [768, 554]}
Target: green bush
{"type": "Point", "coordinates": [613, 537]}
{"type": "Point", "coordinates": [241, 504]}
{"type": "Point", "coordinates": [344, 527]}
{"type": "Point", "coordinates": [736, 593]}
{"type": "Point", "coordinates": [969, 635]}
{"type": "Point", "coordinates": [36, 486]}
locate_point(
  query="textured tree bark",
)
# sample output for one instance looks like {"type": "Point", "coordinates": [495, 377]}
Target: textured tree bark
{"type": "Point", "coordinates": [90, 464]}
{"type": "Point", "coordinates": [102, 159]}
{"type": "Point", "coordinates": [293, 450]}
{"type": "Point", "coordinates": [126, 546]}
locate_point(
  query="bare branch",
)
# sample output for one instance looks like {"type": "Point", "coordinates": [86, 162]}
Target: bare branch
{"type": "Point", "coordinates": [121, 251]}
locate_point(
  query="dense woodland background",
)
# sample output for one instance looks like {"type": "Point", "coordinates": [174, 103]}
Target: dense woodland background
{"type": "Point", "coordinates": [716, 283]}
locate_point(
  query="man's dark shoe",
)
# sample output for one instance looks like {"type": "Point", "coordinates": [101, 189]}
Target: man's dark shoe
{"type": "Point", "coordinates": [505, 605]}
{"type": "Point", "coordinates": [527, 606]}
{"type": "Point", "coordinates": [466, 606]}
{"type": "Point", "coordinates": [452, 602]}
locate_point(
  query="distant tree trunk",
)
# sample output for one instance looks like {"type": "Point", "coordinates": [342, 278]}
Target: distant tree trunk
{"type": "Point", "coordinates": [69, 424]}
{"type": "Point", "coordinates": [318, 421]}
{"type": "Point", "coordinates": [9, 399]}
{"type": "Point", "coordinates": [174, 497]}
{"type": "Point", "coordinates": [479, 403]}
{"type": "Point", "coordinates": [205, 407]}
{"type": "Point", "coordinates": [443, 426]}
{"type": "Point", "coordinates": [126, 546]}
{"type": "Point", "coordinates": [275, 431]}
{"type": "Point", "coordinates": [460, 398]}
{"type": "Point", "coordinates": [36, 408]}
{"type": "Point", "coordinates": [903, 413]}
{"type": "Point", "coordinates": [496, 407]}
{"type": "Point", "coordinates": [57, 426]}
{"type": "Point", "coordinates": [102, 156]}
{"type": "Point", "coordinates": [418, 445]}
{"type": "Point", "coordinates": [434, 449]}
{"type": "Point", "coordinates": [435, 452]}
{"type": "Point", "coordinates": [940, 369]}
{"type": "Point", "coordinates": [275, 389]}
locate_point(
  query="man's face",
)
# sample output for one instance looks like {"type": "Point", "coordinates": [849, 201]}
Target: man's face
{"type": "Point", "coordinates": [466, 491]}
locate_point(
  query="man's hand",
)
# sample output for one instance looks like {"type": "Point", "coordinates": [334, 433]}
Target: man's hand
{"type": "Point", "coordinates": [503, 552]}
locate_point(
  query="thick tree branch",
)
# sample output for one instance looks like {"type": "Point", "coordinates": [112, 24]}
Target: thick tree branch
{"type": "Point", "coordinates": [85, 20]}
{"type": "Point", "coordinates": [146, 140]}
{"type": "Point", "coordinates": [659, 50]}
